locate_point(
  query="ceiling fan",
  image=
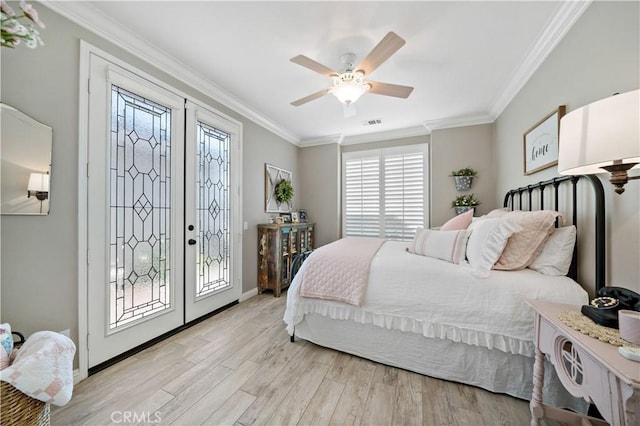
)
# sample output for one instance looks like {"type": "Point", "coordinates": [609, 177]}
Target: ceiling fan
{"type": "Point", "coordinates": [349, 85]}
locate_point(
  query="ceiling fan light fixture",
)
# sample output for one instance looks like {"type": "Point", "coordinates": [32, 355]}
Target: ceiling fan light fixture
{"type": "Point", "coordinates": [349, 86]}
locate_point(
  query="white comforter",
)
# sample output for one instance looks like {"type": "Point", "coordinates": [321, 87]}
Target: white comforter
{"type": "Point", "coordinates": [438, 299]}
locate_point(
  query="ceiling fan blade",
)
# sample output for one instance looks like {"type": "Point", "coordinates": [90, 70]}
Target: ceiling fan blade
{"type": "Point", "coordinates": [313, 65]}
{"type": "Point", "coordinates": [309, 98]}
{"type": "Point", "coordinates": [383, 50]}
{"type": "Point", "coordinates": [388, 89]}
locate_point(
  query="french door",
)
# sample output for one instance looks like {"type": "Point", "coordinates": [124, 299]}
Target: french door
{"type": "Point", "coordinates": [162, 189]}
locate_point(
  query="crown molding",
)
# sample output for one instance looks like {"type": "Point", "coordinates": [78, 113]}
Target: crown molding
{"type": "Point", "coordinates": [565, 17]}
{"type": "Point", "coordinates": [322, 140]}
{"type": "Point", "coordinates": [406, 132]}
{"type": "Point", "coordinates": [447, 123]}
{"type": "Point", "coordinates": [85, 15]}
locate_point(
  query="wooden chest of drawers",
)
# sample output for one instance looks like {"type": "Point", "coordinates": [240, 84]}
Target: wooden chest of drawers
{"type": "Point", "coordinates": [278, 247]}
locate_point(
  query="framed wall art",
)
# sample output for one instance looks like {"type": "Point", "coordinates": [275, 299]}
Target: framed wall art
{"type": "Point", "coordinates": [540, 142]}
{"type": "Point", "coordinates": [274, 176]}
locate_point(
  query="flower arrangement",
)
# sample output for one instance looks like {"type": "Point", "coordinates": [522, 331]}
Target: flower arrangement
{"type": "Point", "coordinates": [284, 191]}
{"type": "Point", "coordinates": [466, 200]}
{"type": "Point", "coordinates": [467, 171]}
{"type": "Point", "coordinates": [13, 31]}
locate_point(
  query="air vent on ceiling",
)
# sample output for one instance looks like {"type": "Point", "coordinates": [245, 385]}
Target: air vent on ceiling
{"type": "Point", "coordinates": [372, 122]}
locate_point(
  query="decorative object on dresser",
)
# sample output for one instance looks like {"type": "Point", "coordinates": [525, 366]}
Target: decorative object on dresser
{"type": "Point", "coordinates": [302, 215]}
{"type": "Point", "coordinates": [286, 217]}
{"type": "Point", "coordinates": [463, 178]}
{"type": "Point", "coordinates": [540, 142]}
{"type": "Point", "coordinates": [602, 137]}
{"type": "Point", "coordinates": [278, 190]}
{"type": "Point", "coordinates": [280, 248]}
{"type": "Point", "coordinates": [587, 367]}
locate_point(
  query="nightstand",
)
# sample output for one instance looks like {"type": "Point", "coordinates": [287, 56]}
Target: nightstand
{"type": "Point", "coordinates": [587, 368]}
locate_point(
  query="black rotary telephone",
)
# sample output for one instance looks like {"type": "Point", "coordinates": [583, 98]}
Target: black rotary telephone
{"type": "Point", "coordinates": [604, 308]}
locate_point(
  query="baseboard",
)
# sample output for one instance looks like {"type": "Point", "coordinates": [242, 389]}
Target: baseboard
{"type": "Point", "coordinates": [249, 294]}
{"type": "Point", "coordinates": [77, 377]}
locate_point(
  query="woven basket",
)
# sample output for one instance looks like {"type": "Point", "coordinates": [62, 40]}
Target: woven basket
{"type": "Point", "coordinates": [19, 409]}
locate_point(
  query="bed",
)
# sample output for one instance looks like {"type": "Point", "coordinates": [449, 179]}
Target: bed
{"type": "Point", "coordinates": [450, 320]}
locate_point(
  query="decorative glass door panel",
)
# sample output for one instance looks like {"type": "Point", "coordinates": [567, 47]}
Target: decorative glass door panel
{"type": "Point", "coordinates": [135, 211]}
{"type": "Point", "coordinates": [213, 207]}
{"type": "Point", "coordinates": [212, 221]}
{"type": "Point", "coordinates": [140, 208]}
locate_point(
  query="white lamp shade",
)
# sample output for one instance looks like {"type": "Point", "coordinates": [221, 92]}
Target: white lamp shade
{"type": "Point", "coordinates": [599, 134]}
{"type": "Point", "coordinates": [38, 182]}
{"type": "Point", "coordinates": [350, 91]}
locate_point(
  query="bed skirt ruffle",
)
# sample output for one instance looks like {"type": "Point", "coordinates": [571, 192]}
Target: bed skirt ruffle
{"type": "Point", "coordinates": [428, 329]}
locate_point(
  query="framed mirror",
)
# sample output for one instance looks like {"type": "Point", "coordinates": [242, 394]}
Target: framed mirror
{"type": "Point", "coordinates": [25, 166]}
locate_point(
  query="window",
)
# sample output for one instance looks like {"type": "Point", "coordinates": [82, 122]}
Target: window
{"type": "Point", "coordinates": [385, 192]}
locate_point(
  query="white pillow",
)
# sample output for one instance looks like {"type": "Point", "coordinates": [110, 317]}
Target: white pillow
{"type": "Point", "coordinates": [556, 254]}
{"type": "Point", "coordinates": [444, 245]}
{"type": "Point", "coordinates": [487, 241]}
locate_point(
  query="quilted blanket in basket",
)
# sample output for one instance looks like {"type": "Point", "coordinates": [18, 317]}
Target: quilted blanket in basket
{"type": "Point", "coordinates": [340, 270]}
{"type": "Point", "coordinates": [43, 368]}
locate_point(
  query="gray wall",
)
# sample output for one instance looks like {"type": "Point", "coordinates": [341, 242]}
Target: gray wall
{"type": "Point", "coordinates": [454, 149]}
{"type": "Point", "coordinates": [39, 282]}
{"type": "Point", "coordinates": [598, 57]}
{"type": "Point", "coordinates": [319, 168]}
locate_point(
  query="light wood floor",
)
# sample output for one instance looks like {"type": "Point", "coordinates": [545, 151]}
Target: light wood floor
{"type": "Point", "coordinates": [240, 368]}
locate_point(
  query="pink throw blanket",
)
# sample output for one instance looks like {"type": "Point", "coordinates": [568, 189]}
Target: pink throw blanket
{"type": "Point", "coordinates": [43, 368]}
{"type": "Point", "coordinates": [340, 270]}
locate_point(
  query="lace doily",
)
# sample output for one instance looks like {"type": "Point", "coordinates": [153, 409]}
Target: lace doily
{"type": "Point", "coordinates": [584, 325]}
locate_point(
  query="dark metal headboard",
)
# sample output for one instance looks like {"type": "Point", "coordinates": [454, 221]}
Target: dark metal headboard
{"type": "Point", "coordinates": [527, 192]}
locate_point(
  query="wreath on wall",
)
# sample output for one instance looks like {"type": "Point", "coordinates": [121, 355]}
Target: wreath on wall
{"type": "Point", "coordinates": [278, 189]}
{"type": "Point", "coordinates": [284, 191]}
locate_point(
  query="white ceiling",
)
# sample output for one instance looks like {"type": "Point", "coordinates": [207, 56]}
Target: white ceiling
{"type": "Point", "coordinates": [466, 60]}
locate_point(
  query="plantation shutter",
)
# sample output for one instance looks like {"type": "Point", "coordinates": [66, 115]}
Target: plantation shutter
{"type": "Point", "coordinates": [384, 192]}
{"type": "Point", "coordinates": [362, 197]}
{"type": "Point", "coordinates": [403, 195]}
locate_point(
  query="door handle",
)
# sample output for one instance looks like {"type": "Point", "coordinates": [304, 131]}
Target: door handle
{"type": "Point", "coordinates": [192, 241]}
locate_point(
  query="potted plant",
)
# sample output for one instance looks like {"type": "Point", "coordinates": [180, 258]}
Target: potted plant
{"type": "Point", "coordinates": [284, 191]}
{"type": "Point", "coordinates": [463, 178]}
{"type": "Point", "coordinates": [462, 203]}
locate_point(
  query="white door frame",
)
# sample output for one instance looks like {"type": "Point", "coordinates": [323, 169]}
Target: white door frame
{"type": "Point", "coordinates": [86, 49]}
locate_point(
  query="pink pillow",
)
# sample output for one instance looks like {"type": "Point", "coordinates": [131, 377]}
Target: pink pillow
{"type": "Point", "coordinates": [498, 212]}
{"type": "Point", "coordinates": [524, 246]}
{"type": "Point", "coordinates": [458, 223]}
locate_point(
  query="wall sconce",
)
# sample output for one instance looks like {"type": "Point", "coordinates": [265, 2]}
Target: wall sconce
{"type": "Point", "coordinates": [38, 186]}
{"type": "Point", "coordinates": [603, 136]}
